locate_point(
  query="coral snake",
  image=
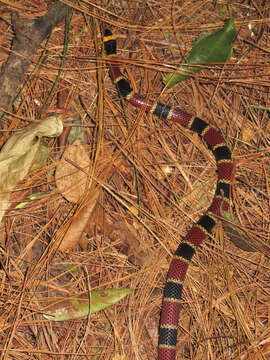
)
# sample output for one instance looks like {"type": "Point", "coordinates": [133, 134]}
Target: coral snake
{"type": "Point", "coordinates": [201, 230]}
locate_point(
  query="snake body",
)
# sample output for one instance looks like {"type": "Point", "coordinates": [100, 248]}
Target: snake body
{"type": "Point", "coordinates": [172, 295]}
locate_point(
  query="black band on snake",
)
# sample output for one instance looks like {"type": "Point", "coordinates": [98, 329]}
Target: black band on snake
{"type": "Point", "coordinates": [201, 230]}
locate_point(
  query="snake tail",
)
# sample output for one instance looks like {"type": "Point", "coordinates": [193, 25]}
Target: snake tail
{"type": "Point", "coordinates": [171, 304]}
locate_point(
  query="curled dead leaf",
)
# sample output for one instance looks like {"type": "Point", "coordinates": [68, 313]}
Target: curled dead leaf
{"type": "Point", "coordinates": [71, 232]}
{"type": "Point", "coordinates": [71, 174]}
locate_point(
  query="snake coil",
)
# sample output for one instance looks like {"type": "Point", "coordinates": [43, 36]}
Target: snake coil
{"type": "Point", "coordinates": [172, 295]}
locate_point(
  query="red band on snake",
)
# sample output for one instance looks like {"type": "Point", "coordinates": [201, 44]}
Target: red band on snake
{"type": "Point", "coordinates": [201, 230]}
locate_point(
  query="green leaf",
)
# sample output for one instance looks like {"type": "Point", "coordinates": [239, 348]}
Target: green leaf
{"type": "Point", "coordinates": [78, 307]}
{"type": "Point", "coordinates": [212, 49]}
{"type": "Point", "coordinates": [32, 197]}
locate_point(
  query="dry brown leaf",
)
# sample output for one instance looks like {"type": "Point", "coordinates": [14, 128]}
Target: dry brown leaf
{"type": "Point", "coordinates": [71, 172]}
{"type": "Point", "coordinates": [71, 232]}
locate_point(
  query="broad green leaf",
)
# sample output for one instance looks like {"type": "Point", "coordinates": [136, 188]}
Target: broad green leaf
{"type": "Point", "coordinates": [212, 49]}
{"type": "Point", "coordinates": [78, 307]}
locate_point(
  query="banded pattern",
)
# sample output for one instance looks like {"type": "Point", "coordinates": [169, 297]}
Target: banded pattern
{"type": "Point", "coordinates": [201, 230]}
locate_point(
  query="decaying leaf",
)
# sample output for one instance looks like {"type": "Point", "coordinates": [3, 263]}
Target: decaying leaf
{"type": "Point", "coordinates": [77, 307]}
{"type": "Point", "coordinates": [71, 172]}
{"type": "Point", "coordinates": [21, 153]}
{"type": "Point", "coordinates": [238, 236]}
{"type": "Point", "coordinates": [71, 232]}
